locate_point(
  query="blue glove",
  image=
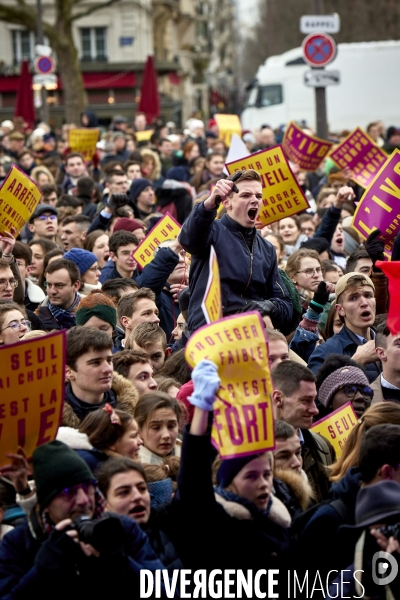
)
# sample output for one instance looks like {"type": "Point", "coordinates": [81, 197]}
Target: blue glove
{"type": "Point", "coordinates": [206, 383]}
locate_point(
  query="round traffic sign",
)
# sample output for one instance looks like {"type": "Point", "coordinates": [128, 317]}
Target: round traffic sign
{"type": "Point", "coordinates": [44, 65]}
{"type": "Point", "coordinates": [319, 49]}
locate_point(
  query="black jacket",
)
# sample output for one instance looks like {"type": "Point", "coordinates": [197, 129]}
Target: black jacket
{"type": "Point", "coordinates": [179, 197]}
{"type": "Point", "coordinates": [318, 453]}
{"type": "Point", "coordinates": [245, 274]}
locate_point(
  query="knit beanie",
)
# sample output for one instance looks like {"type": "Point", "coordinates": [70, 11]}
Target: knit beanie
{"type": "Point", "coordinates": [138, 185]}
{"type": "Point", "coordinates": [82, 258]}
{"type": "Point", "coordinates": [342, 376]}
{"type": "Point", "coordinates": [230, 467]}
{"type": "Point", "coordinates": [97, 305]}
{"type": "Point", "coordinates": [55, 468]}
{"type": "Point", "coordinates": [126, 224]}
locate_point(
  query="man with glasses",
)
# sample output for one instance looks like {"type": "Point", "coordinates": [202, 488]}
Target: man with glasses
{"type": "Point", "coordinates": [356, 306]}
{"type": "Point", "coordinates": [57, 311]}
{"type": "Point", "coordinates": [49, 554]}
{"type": "Point", "coordinates": [43, 222]}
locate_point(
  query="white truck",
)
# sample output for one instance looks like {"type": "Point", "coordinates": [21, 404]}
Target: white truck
{"type": "Point", "coordinates": [369, 89]}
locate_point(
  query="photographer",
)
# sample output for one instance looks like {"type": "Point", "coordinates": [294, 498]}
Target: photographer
{"type": "Point", "coordinates": [70, 548]}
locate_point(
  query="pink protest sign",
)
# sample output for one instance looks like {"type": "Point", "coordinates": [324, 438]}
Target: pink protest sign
{"type": "Point", "coordinates": [359, 153]}
{"type": "Point", "coordinates": [379, 208]}
{"type": "Point", "coordinates": [305, 150]}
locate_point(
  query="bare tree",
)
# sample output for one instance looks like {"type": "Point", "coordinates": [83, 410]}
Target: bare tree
{"type": "Point", "coordinates": [61, 40]}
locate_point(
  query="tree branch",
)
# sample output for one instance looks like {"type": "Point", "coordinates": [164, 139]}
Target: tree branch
{"type": "Point", "coordinates": [92, 9]}
{"type": "Point", "coordinates": [24, 15]}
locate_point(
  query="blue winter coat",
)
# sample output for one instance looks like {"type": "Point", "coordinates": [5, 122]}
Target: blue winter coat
{"type": "Point", "coordinates": [345, 342]}
{"type": "Point", "coordinates": [245, 275]}
{"type": "Point", "coordinates": [64, 572]}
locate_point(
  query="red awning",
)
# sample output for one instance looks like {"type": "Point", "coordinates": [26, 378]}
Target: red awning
{"type": "Point", "coordinates": [101, 80]}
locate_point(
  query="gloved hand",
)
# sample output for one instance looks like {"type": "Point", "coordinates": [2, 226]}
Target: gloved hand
{"type": "Point", "coordinates": [320, 298]}
{"type": "Point", "coordinates": [206, 383]}
{"type": "Point", "coordinates": [58, 553]}
{"type": "Point", "coordinates": [264, 307]}
{"type": "Point", "coordinates": [375, 247]}
{"type": "Point", "coordinates": [396, 248]}
{"type": "Point", "coordinates": [117, 200]}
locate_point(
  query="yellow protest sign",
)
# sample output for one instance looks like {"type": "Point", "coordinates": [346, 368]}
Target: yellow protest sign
{"type": "Point", "coordinates": [282, 195]}
{"type": "Point", "coordinates": [166, 229]}
{"type": "Point", "coordinates": [337, 426]}
{"type": "Point", "coordinates": [212, 303]}
{"type": "Point", "coordinates": [32, 384]}
{"type": "Point", "coordinates": [228, 125]}
{"type": "Point", "coordinates": [143, 136]}
{"type": "Point", "coordinates": [19, 196]}
{"type": "Point", "coordinates": [243, 419]}
{"type": "Point", "coordinates": [83, 141]}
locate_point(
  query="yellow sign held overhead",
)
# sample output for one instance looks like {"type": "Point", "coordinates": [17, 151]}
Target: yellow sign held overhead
{"type": "Point", "coordinates": [166, 229]}
{"type": "Point", "coordinates": [228, 125]}
{"type": "Point", "coordinates": [243, 418]}
{"type": "Point", "coordinates": [19, 196]}
{"type": "Point", "coordinates": [84, 141]}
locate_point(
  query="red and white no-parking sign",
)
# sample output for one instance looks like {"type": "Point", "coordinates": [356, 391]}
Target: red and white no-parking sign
{"type": "Point", "coordinates": [319, 49]}
{"type": "Point", "coordinates": [44, 65]}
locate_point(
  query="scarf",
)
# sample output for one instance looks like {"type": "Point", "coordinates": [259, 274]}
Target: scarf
{"type": "Point", "coordinates": [66, 318]}
{"type": "Point", "coordinates": [231, 497]}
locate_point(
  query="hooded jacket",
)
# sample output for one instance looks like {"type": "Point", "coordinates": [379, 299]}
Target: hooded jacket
{"type": "Point", "coordinates": [245, 274]}
{"type": "Point", "coordinates": [123, 395]}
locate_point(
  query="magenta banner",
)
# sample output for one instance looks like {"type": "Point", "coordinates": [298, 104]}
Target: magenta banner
{"type": "Point", "coordinates": [379, 208]}
{"type": "Point", "coordinates": [305, 150]}
{"type": "Point", "coordinates": [359, 153]}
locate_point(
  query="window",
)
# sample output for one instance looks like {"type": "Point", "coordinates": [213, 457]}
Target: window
{"type": "Point", "coordinates": [268, 95]}
{"type": "Point", "coordinates": [251, 98]}
{"type": "Point", "coordinates": [23, 45]}
{"type": "Point", "coordinates": [93, 43]}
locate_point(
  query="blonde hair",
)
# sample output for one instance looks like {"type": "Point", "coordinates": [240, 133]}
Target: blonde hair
{"type": "Point", "coordinates": [41, 169]}
{"type": "Point", "coordinates": [383, 412]}
{"type": "Point", "coordinates": [156, 171]}
{"type": "Point", "coordinates": [34, 334]}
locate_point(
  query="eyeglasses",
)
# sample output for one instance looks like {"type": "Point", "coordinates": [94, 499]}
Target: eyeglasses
{"type": "Point", "coordinates": [70, 493]}
{"type": "Point", "coordinates": [5, 282]}
{"type": "Point", "coordinates": [351, 390]}
{"type": "Point", "coordinates": [310, 272]}
{"type": "Point", "coordinates": [17, 325]}
{"type": "Point", "coordinates": [47, 217]}
{"type": "Point", "coordinates": [95, 269]}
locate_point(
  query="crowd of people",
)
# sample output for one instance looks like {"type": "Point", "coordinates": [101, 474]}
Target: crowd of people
{"type": "Point", "coordinates": [133, 481]}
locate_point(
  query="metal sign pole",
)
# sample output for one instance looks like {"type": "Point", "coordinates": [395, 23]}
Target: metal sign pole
{"type": "Point", "coordinates": [44, 110]}
{"type": "Point", "coordinates": [320, 94]}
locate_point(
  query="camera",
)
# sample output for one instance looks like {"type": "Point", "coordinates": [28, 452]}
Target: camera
{"type": "Point", "coordinates": [106, 534]}
{"type": "Point", "coordinates": [391, 531]}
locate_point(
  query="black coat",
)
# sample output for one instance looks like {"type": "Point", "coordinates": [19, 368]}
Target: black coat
{"type": "Point", "coordinates": [245, 274]}
{"type": "Point", "coordinates": [221, 541]}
